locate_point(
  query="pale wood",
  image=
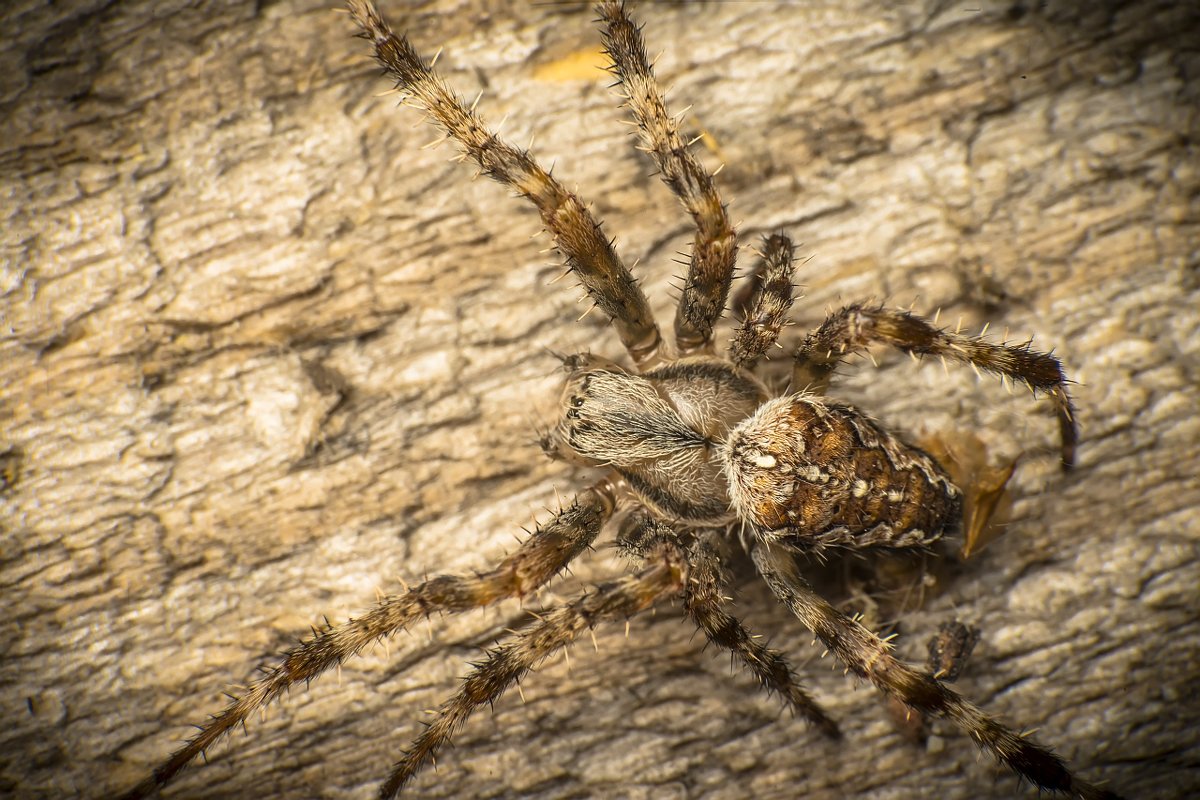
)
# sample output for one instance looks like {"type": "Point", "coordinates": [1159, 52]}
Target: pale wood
{"type": "Point", "coordinates": [263, 355]}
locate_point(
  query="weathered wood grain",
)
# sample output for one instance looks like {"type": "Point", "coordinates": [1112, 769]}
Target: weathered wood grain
{"type": "Point", "coordinates": [263, 355]}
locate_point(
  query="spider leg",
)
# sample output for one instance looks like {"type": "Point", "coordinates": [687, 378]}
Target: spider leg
{"type": "Point", "coordinates": [856, 326]}
{"type": "Point", "coordinates": [768, 304]}
{"type": "Point", "coordinates": [714, 249]}
{"type": "Point", "coordinates": [664, 576]}
{"type": "Point", "coordinates": [704, 603]}
{"type": "Point", "coordinates": [539, 558]}
{"type": "Point", "coordinates": [867, 656]}
{"type": "Point", "coordinates": [577, 234]}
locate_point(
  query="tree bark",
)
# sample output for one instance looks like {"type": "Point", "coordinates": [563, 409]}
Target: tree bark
{"type": "Point", "coordinates": [263, 356]}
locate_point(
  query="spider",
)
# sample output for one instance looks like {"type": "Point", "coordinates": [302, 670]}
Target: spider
{"type": "Point", "coordinates": [695, 450]}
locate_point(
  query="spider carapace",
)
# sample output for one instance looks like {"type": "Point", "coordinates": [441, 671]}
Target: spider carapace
{"type": "Point", "coordinates": [694, 450]}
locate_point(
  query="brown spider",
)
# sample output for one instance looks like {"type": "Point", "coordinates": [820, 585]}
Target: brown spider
{"type": "Point", "coordinates": [695, 448]}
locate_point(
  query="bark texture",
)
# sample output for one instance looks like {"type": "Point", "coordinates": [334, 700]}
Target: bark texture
{"type": "Point", "coordinates": [263, 355]}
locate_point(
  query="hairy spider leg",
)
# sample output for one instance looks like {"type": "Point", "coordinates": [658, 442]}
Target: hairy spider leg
{"type": "Point", "coordinates": [664, 576]}
{"type": "Point", "coordinates": [764, 311]}
{"type": "Point", "coordinates": [856, 326]}
{"type": "Point", "coordinates": [704, 602]}
{"type": "Point", "coordinates": [588, 252]}
{"type": "Point", "coordinates": [867, 656]}
{"type": "Point", "coordinates": [543, 555]}
{"type": "Point", "coordinates": [714, 248]}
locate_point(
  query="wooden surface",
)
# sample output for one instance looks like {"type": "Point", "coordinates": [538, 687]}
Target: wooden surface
{"type": "Point", "coordinates": [263, 355]}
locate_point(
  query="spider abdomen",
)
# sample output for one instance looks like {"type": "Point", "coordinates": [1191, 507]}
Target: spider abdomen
{"type": "Point", "coordinates": [822, 474]}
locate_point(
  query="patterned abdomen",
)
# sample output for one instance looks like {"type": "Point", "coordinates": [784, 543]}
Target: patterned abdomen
{"type": "Point", "coordinates": [821, 474]}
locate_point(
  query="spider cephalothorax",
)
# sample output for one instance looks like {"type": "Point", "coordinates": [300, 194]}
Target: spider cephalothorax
{"type": "Point", "coordinates": [694, 448]}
